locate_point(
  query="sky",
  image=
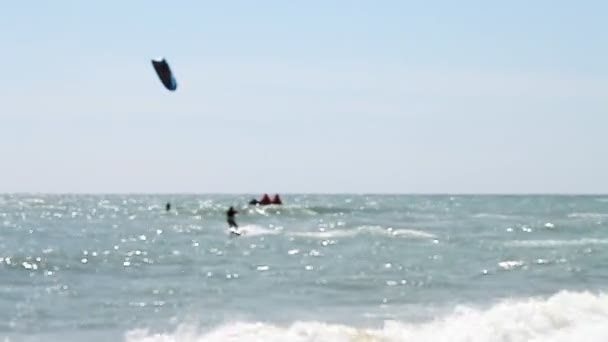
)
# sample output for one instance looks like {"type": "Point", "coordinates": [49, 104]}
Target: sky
{"type": "Point", "coordinates": [322, 96]}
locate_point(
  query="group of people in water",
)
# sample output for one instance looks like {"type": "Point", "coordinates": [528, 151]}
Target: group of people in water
{"type": "Point", "coordinates": [231, 212]}
{"type": "Point", "coordinates": [266, 200]}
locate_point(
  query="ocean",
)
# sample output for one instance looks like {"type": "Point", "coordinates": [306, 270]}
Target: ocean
{"type": "Point", "coordinates": [318, 268]}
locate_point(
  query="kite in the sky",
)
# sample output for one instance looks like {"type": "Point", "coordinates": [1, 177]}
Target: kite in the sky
{"type": "Point", "coordinates": [164, 73]}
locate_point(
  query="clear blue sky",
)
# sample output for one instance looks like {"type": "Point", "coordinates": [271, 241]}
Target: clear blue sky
{"type": "Point", "coordinates": [315, 96]}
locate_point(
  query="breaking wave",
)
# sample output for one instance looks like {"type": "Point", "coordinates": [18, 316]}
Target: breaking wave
{"type": "Point", "coordinates": [566, 316]}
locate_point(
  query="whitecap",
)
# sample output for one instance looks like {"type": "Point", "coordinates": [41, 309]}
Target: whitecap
{"type": "Point", "coordinates": [566, 316]}
{"type": "Point", "coordinates": [372, 230]}
{"type": "Point", "coordinates": [556, 243]}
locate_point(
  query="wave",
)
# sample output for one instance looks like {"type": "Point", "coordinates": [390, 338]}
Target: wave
{"type": "Point", "coordinates": [565, 316]}
{"type": "Point", "coordinates": [495, 216]}
{"type": "Point", "coordinates": [413, 233]}
{"type": "Point", "coordinates": [318, 210]}
{"type": "Point", "coordinates": [511, 264]}
{"type": "Point", "coordinates": [595, 216]}
{"type": "Point", "coordinates": [374, 230]}
{"type": "Point", "coordinates": [556, 243]}
{"type": "Point", "coordinates": [215, 209]}
{"type": "Point", "coordinates": [295, 209]}
{"type": "Point", "coordinates": [254, 230]}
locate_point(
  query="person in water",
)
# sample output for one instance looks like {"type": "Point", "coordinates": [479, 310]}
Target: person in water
{"type": "Point", "coordinates": [230, 216]}
{"type": "Point", "coordinates": [168, 206]}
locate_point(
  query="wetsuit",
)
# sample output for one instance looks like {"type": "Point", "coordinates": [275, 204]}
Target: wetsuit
{"type": "Point", "coordinates": [230, 216]}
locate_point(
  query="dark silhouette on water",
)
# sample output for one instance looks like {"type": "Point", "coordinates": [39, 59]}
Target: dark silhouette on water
{"type": "Point", "coordinates": [230, 217]}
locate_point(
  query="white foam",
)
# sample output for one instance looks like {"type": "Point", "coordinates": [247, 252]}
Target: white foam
{"type": "Point", "coordinates": [374, 230]}
{"type": "Point", "coordinates": [494, 216]}
{"type": "Point", "coordinates": [254, 230]}
{"type": "Point", "coordinates": [413, 233]}
{"type": "Point", "coordinates": [556, 243]}
{"type": "Point", "coordinates": [511, 264]}
{"type": "Point", "coordinates": [566, 316]}
{"type": "Point", "coordinates": [326, 234]}
{"type": "Point", "coordinates": [589, 215]}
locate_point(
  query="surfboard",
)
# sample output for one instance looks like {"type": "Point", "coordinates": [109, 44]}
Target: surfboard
{"type": "Point", "coordinates": [235, 231]}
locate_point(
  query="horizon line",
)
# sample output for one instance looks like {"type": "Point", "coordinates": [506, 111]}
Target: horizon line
{"type": "Point", "coordinates": [317, 193]}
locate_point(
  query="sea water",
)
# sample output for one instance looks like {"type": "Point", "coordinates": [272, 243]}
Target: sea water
{"type": "Point", "coordinates": [318, 268]}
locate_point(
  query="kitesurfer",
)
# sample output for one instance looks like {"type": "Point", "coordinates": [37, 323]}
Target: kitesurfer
{"type": "Point", "coordinates": [230, 217]}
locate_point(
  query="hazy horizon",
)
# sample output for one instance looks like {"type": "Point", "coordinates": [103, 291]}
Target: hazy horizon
{"type": "Point", "coordinates": [259, 194]}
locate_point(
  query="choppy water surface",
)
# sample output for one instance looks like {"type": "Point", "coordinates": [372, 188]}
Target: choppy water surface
{"type": "Point", "coordinates": [318, 268]}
